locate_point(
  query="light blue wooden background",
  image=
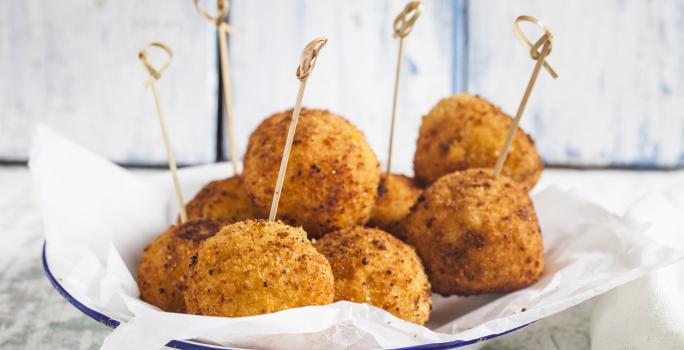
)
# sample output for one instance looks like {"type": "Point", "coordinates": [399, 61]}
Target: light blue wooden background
{"type": "Point", "coordinates": [73, 65]}
{"type": "Point", "coordinates": [620, 96]}
{"type": "Point", "coordinates": [618, 100]}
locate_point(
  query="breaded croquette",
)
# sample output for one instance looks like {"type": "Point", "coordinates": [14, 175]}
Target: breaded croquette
{"type": "Point", "coordinates": [396, 195]}
{"type": "Point", "coordinates": [165, 263]}
{"type": "Point", "coordinates": [332, 175]}
{"type": "Point", "coordinates": [223, 199]}
{"type": "Point", "coordinates": [371, 266]}
{"type": "Point", "coordinates": [476, 235]}
{"type": "Point", "coordinates": [466, 131]}
{"type": "Point", "coordinates": [255, 267]}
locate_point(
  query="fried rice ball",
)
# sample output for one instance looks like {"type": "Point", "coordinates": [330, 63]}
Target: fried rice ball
{"type": "Point", "coordinates": [332, 174]}
{"type": "Point", "coordinates": [371, 266]}
{"type": "Point", "coordinates": [255, 267]}
{"type": "Point", "coordinates": [223, 199]}
{"type": "Point", "coordinates": [165, 263]}
{"type": "Point", "coordinates": [396, 195]}
{"type": "Point", "coordinates": [476, 235]}
{"type": "Point", "coordinates": [466, 131]}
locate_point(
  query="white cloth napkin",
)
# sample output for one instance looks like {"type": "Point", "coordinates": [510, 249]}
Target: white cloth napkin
{"type": "Point", "coordinates": [648, 313]}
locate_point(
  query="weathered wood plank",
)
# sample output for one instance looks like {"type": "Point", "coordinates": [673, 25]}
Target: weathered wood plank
{"type": "Point", "coordinates": [355, 72]}
{"type": "Point", "coordinates": [620, 94]}
{"type": "Point", "coordinates": [618, 100]}
{"type": "Point", "coordinates": [73, 66]}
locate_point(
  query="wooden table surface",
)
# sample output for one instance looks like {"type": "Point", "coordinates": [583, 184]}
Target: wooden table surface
{"type": "Point", "coordinates": [34, 316]}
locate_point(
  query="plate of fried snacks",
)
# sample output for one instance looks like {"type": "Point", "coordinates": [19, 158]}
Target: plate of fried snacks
{"type": "Point", "coordinates": [356, 258]}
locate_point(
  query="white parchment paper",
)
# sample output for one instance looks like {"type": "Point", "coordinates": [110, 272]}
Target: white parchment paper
{"type": "Point", "coordinates": [98, 218]}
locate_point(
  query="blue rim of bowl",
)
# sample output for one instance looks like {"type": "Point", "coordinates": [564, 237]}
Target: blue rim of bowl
{"type": "Point", "coordinates": [190, 345]}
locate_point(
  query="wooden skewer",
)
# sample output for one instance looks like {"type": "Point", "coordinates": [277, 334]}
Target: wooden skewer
{"type": "Point", "coordinates": [223, 30]}
{"type": "Point", "coordinates": [155, 74]}
{"type": "Point", "coordinates": [403, 24]}
{"type": "Point", "coordinates": [307, 62]}
{"type": "Point", "coordinates": [545, 42]}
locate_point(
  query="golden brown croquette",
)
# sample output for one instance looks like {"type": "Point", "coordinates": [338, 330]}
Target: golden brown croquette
{"type": "Point", "coordinates": [396, 195]}
{"type": "Point", "coordinates": [223, 199]}
{"type": "Point", "coordinates": [332, 175]}
{"type": "Point", "coordinates": [371, 266]}
{"type": "Point", "coordinates": [476, 235]}
{"type": "Point", "coordinates": [255, 267]}
{"type": "Point", "coordinates": [466, 131]}
{"type": "Point", "coordinates": [165, 263]}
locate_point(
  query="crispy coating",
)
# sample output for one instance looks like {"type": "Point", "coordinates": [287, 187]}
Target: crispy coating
{"type": "Point", "coordinates": [255, 267]}
{"type": "Point", "coordinates": [165, 263]}
{"type": "Point", "coordinates": [476, 235]}
{"type": "Point", "coordinates": [396, 195]}
{"type": "Point", "coordinates": [223, 199]}
{"type": "Point", "coordinates": [371, 266]}
{"type": "Point", "coordinates": [466, 131]}
{"type": "Point", "coordinates": [332, 174]}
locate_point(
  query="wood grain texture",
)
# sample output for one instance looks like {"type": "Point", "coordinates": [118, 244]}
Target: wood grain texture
{"type": "Point", "coordinates": [73, 65]}
{"type": "Point", "coordinates": [354, 74]}
{"type": "Point", "coordinates": [620, 96]}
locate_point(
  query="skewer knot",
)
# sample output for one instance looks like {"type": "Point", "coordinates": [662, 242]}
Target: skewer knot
{"type": "Point", "coordinates": [221, 14]}
{"type": "Point", "coordinates": [403, 24]}
{"type": "Point", "coordinates": [307, 60]}
{"type": "Point", "coordinates": [537, 47]}
{"type": "Point", "coordinates": [155, 73]}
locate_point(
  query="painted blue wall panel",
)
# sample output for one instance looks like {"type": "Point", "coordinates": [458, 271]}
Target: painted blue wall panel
{"type": "Point", "coordinates": [73, 65]}
{"type": "Point", "coordinates": [620, 96]}
{"type": "Point", "coordinates": [619, 99]}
